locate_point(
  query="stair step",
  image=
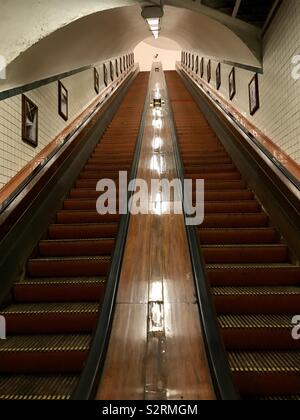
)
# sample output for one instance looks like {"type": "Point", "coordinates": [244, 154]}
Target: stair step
{"type": "Point", "coordinates": [235, 220]}
{"type": "Point", "coordinates": [207, 169]}
{"type": "Point", "coordinates": [37, 387]}
{"type": "Point", "coordinates": [78, 247]}
{"type": "Point", "coordinates": [266, 373]}
{"type": "Point", "coordinates": [43, 353]}
{"type": "Point", "coordinates": [227, 196]}
{"type": "Point", "coordinates": [225, 176]}
{"type": "Point", "coordinates": [64, 267]}
{"type": "Point", "coordinates": [256, 300]}
{"type": "Point", "coordinates": [79, 217]}
{"type": "Point", "coordinates": [235, 254]}
{"type": "Point", "coordinates": [48, 318]}
{"type": "Point", "coordinates": [253, 275]}
{"type": "Point", "coordinates": [221, 185]}
{"type": "Point", "coordinates": [258, 332]}
{"type": "Point", "coordinates": [238, 236]}
{"type": "Point", "coordinates": [246, 206]}
{"type": "Point", "coordinates": [83, 231]}
{"type": "Point", "coordinates": [77, 289]}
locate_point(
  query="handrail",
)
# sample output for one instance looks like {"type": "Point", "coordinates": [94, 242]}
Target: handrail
{"type": "Point", "coordinates": [93, 370]}
{"type": "Point", "coordinates": [216, 353]}
{"type": "Point", "coordinates": [246, 134]}
{"type": "Point", "coordinates": [103, 97]}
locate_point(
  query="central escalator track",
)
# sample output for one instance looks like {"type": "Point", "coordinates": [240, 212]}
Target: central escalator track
{"type": "Point", "coordinates": [54, 309]}
{"type": "Point", "coordinates": [251, 270]}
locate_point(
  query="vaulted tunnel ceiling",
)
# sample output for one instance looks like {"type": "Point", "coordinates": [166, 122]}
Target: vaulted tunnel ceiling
{"type": "Point", "coordinates": [39, 38]}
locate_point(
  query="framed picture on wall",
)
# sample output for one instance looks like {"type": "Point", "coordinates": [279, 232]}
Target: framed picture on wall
{"type": "Point", "coordinates": [197, 65]}
{"type": "Point", "coordinates": [202, 67]}
{"type": "Point", "coordinates": [29, 121]}
{"type": "Point", "coordinates": [254, 95]}
{"type": "Point", "coordinates": [63, 101]}
{"type": "Point", "coordinates": [105, 75]}
{"type": "Point", "coordinates": [209, 71]}
{"type": "Point", "coordinates": [111, 71]}
{"type": "Point", "coordinates": [117, 68]}
{"type": "Point", "coordinates": [232, 84]}
{"type": "Point", "coordinates": [96, 81]}
{"type": "Point", "coordinates": [218, 76]}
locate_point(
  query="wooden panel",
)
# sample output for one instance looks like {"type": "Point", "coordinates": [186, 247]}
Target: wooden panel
{"type": "Point", "coordinates": [157, 276]}
{"type": "Point", "coordinates": [123, 377]}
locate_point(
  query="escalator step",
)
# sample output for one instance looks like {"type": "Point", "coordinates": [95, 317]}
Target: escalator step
{"type": "Point", "coordinates": [64, 267]}
{"type": "Point", "coordinates": [253, 275]}
{"type": "Point", "coordinates": [83, 231]}
{"type": "Point", "coordinates": [256, 300]}
{"type": "Point", "coordinates": [266, 373]}
{"type": "Point", "coordinates": [81, 289]}
{"type": "Point", "coordinates": [226, 254]}
{"type": "Point", "coordinates": [79, 217]}
{"type": "Point", "coordinates": [48, 318]}
{"type": "Point", "coordinates": [37, 387]}
{"type": "Point", "coordinates": [43, 353]}
{"type": "Point", "coordinates": [238, 236]}
{"type": "Point", "coordinates": [78, 247]}
{"type": "Point", "coordinates": [258, 332]}
{"type": "Point", "coordinates": [235, 220]}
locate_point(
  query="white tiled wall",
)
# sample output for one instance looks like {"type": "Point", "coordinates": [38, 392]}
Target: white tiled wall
{"type": "Point", "coordinates": [278, 116]}
{"type": "Point", "coordinates": [14, 153]}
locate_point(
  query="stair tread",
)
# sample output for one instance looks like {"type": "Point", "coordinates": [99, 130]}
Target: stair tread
{"type": "Point", "coordinates": [265, 362]}
{"type": "Point", "coordinates": [273, 266]}
{"type": "Point", "coordinates": [62, 281]}
{"type": "Point", "coordinates": [255, 291]}
{"type": "Point", "coordinates": [37, 387]}
{"type": "Point", "coordinates": [51, 308]}
{"type": "Point", "coordinates": [72, 259]}
{"type": "Point", "coordinates": [244, 246]}
{"type": "Point", "coordinates": [45, 343]}
{"type": "Point", "coordinates": [255, 321]}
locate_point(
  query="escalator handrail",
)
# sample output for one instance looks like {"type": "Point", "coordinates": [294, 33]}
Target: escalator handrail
{"type": "Point", "coordinates": [91, 375]}
{"type": "Point", "coordinates": [216, 353]}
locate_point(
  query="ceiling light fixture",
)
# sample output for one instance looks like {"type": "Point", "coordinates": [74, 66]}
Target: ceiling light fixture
{"type": "Point", "coordinates": [153, 16]}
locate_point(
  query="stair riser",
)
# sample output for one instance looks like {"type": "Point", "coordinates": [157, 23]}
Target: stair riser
{"type": "Point", "coordinates": [52, 362]}
{"type": "Point", "coordinates": [59, 293]}
{"type": "Point", "coordinates": [252, 384]}
{"type": "Point", "coordinates": [50, 323]}
{"type": "Point", "coordinates": [48, 249]}
{"type": "Point", "coordinates": [235, 221]}
{"type": "Point", "coordinates": [246, 256]}
{"type": "Point", "coordinates": [57, 232]}
{"type": "Point", "coordinates": [283, 277]}
{"type": "Point", "coordinates": [232, 237]}
{"type": "Point", "coordinates": [226, 196]}
{"type": "Point", "coordinates": [259, 340]}
{"type": "Point", "coordinates": [85, 217]}
{"type": "Point", "coordinates": [68, 269]}
{"type": "Point", "coordinates": [264, 304]}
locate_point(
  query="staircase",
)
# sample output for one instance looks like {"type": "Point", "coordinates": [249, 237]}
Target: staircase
{"type": "Point", "coordinates": [253, 276]}
{"type": "Point", "coordinates": [54, 310]}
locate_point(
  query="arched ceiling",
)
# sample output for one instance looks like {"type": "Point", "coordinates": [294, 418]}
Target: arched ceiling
{"type": "Point", "coordinates": [44, 40]}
